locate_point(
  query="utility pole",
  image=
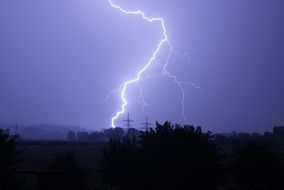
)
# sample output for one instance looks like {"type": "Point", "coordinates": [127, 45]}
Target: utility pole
{"type": "Point", "coordinates": [128, 122]}
{"type": "Point", "coordinates": [146, 124]}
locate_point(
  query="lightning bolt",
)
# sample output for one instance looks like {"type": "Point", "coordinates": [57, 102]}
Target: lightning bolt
{"type": "Point", "coordinates": [163, 41]}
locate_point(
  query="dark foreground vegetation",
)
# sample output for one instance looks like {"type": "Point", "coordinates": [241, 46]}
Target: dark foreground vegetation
{"type": "Point", "coordinates": [166, 157]}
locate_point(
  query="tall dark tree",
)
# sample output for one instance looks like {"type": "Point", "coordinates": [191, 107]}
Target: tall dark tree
{"type": "Point", "coordinates": [9, 161]}
{"type": "Point", "coordinates": [168, 157]}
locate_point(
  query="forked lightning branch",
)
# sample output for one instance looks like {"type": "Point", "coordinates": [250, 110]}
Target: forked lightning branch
{"type": "Point", "coordinates": [163, 41]}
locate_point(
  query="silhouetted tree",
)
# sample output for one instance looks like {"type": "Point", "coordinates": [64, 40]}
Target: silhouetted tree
{"type": "Point", "coordinates": [254, 167]}
{"type": "Point", "coordinates": [168, 157]}
{"type": "Point", "coordinates": [68, 174]}
{"type": "Point", "coordinates": [116, 134]}
{"type": "Point", "coordinates": [9, 160]}
{"type": "Point", "coordinates": [243, 138]}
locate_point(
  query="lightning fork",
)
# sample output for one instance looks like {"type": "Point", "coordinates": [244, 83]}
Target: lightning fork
{"type": "Point", "coordinates": [137, 78]}
{"type": "Point", "coordinates": [150, 61]}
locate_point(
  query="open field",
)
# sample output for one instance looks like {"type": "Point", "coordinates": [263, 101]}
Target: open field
{"type": "Point", "coordinates": [37, 155]}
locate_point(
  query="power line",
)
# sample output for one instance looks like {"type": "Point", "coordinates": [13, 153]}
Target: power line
{"type": "Point", "coordinates": [147, 124]}
{"type": "Point", "coordinates": [128, 122]}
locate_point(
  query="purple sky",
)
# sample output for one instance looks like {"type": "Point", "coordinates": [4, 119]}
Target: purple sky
{"type": "Point", "coordinates": [55, 54]}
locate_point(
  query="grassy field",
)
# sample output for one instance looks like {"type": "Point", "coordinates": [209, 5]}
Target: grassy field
{"type": "Point", "coordinates": [37, 155]}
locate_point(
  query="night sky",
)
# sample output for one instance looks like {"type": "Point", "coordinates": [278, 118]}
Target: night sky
{"type": "Point", "coordinates": [59, 59]}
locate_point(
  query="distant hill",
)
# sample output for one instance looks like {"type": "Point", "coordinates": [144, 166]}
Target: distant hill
{"type": "Point", "coordinates": [43, 132]}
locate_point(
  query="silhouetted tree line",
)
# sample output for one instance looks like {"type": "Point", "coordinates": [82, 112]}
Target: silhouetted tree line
{"type": "Point", "coordinates": [165, 157]}
{"type": "Point", "coordinates": [184, 157]}
{"type": "Point", "coordinates": [103, 136]}
{"type": "Point", "coordinates": [118, 134]}
{"type": "Point", "coordinates": [267, 138]}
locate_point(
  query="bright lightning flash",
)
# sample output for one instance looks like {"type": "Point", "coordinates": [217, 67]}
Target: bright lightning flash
{"type": "Point", "coordinates": [164, 40]}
